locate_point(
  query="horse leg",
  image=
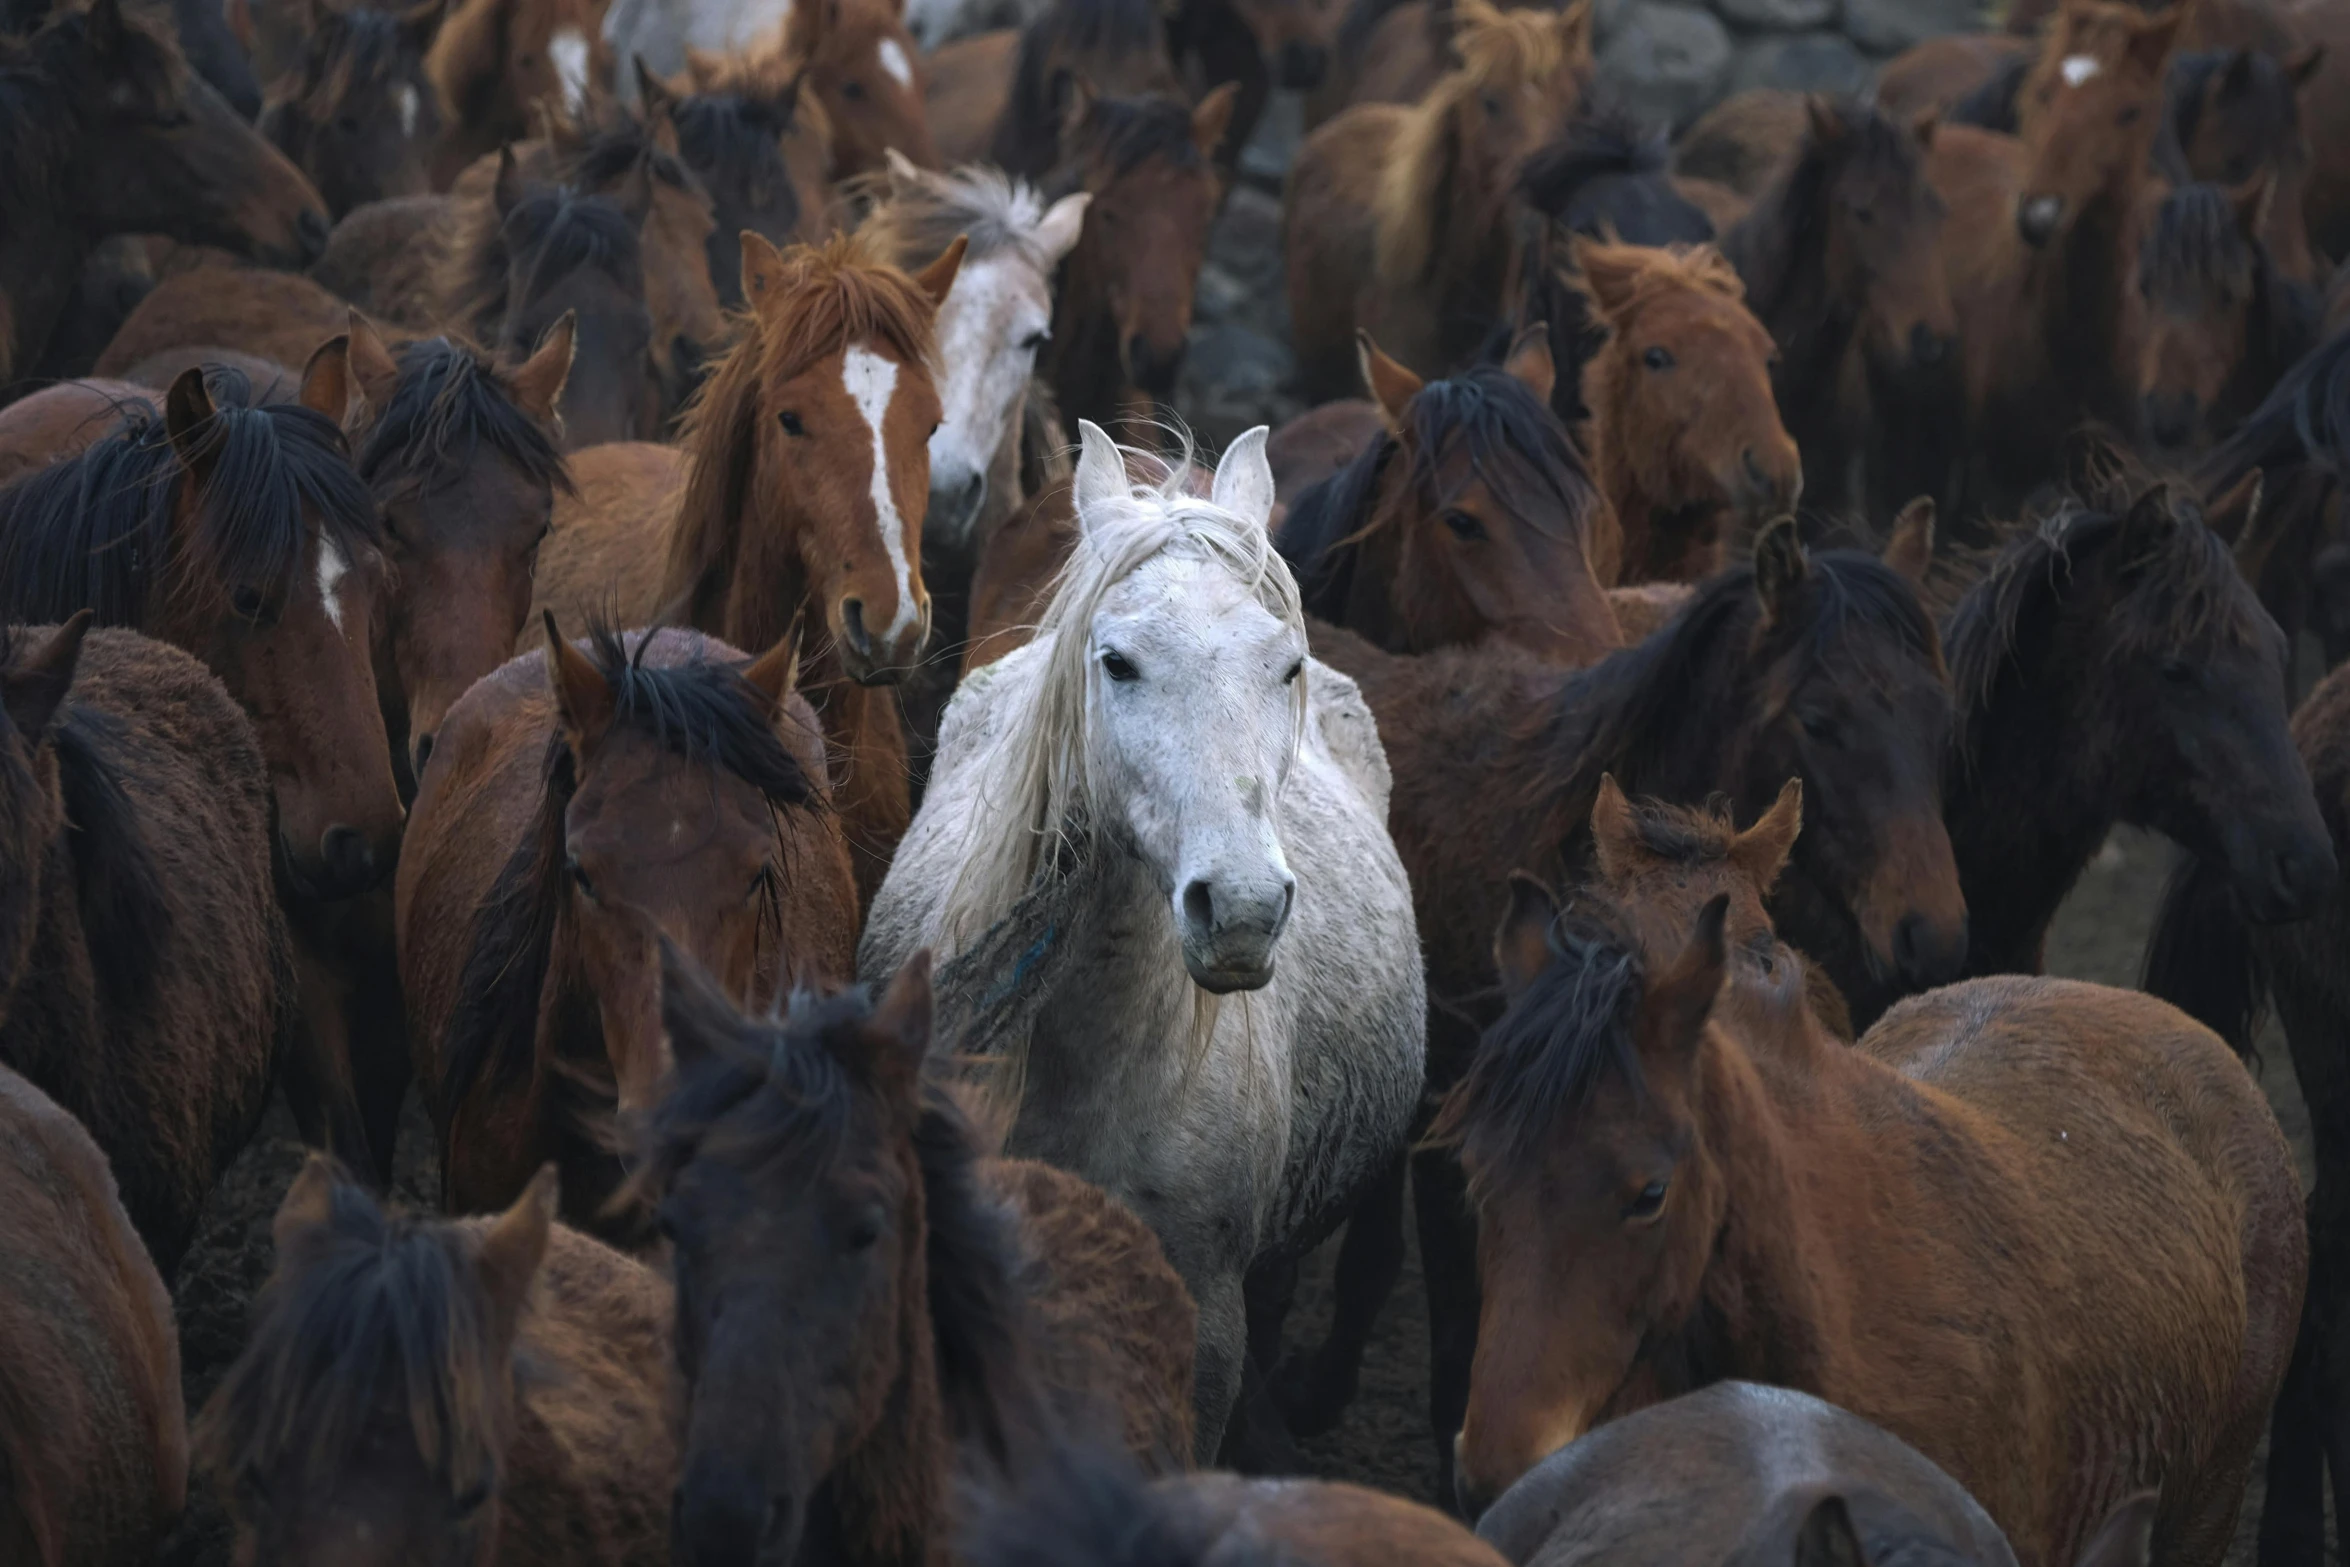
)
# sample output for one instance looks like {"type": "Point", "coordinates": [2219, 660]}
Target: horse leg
{"type": "Point", "coordinates": [1313, 1391]}
{"type": "Point", "coordinates": [316, 1071]}
{"type": "Point", "coordinates": [381, 1067]}
{"type": "Point", "coordinates": [1448, 1262]}
{"type": "Point", "coordinates": [1258, 1441]}
{"type": "Point", "coordinates": [2293, 1513]}
{"type": "Point", "coordinates": [1217, 1373]}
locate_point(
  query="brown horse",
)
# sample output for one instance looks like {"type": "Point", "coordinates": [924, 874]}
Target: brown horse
{"type": "Point", "coordinates": [1127, 290]}
{"type": "Point", "coordinates": [496, 61]}
{"type": "Point", "coordinates": [864, 1299]}
{"type": "Point", "coordinates": [760, 145]}
{"type": "Point", "coordinates": [359, 115]}
{"type": "Point", "coordinates": [2235, 115]}
{"type": "Point", "coordinates": [1677, 1154]}
{"type": "Point", "coordinates": [269, 315]}
{"type": "Point", "coordinates": [63, 421]}
{"type": "Point", "coordinates": [492, 1392]}
{"type": "Point", "coordinates": [1471, 515]}
{"type": "Point", "coordinates": [145, 976]}
{"type": "Point", "coordinates": [94, 1444]}
{"type": "Point", "coordinates": [1686, 439]}
{"type": "Point", "coordinates": [1114, 48]}
{"type": "Point", "coordinates": [107, 132]}
{"type": "Point", "coordinates": [808, 480]}
{"type": "Point", "coordinates": [1738, 1473]}
{"type": "Point", "coordinates": [581, 806]}
{"type": "Point", "coordinates": [859, 61]}
{"type": "Point", "coordinates": [1396, 220]}
{"type": "Point", "coordinates": [1840, 258]}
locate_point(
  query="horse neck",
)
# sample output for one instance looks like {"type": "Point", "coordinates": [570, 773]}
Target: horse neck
{"type": "Point", "coordinates": [888, 1496]}
{"type": "Point", "coordinates": [2085, 298]}
{"type": "Point", "coordinates": [1370, 598]}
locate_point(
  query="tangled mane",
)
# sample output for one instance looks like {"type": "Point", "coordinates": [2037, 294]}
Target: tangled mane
{"type": "Point", "coordinates": [915, 216]}
{"type": "Point", "coordinates": [95, 531]}
{"type": "Point", "coordinates": [1120, 135]}
{"type": "Point", "coordinates": [700, 710]}
{"type": "Point", "coordinates": [829, 298]}
{"type": "Point", "coordinates": [553, 231]}
{"type": "Point", "coordinates": [1040, 789]}
{"type": "Point", "coordinates": [601, 145]}
{"type": "Point", "coordinates": [1651, 270]}
{"type": "Point", "coordinates": [350, 47]}
{"type": "Point", "coordinates": [446, 406]}
{"type": "Point", "coordinates": [1415, 208]}
{"type": "Point", "coordinates": [1609, 174]}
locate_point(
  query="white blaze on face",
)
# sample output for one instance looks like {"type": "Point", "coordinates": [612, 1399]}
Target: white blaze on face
{"type": "Point", "coordinates": [871, 381]}
{"type": "Point", "coordinates": [2078, 68]}
{"type": "Point", "coordinates": [404, 99]}
{"type": "Point", "coordinates": [894, 61]}
{"type": "Point", "coordinates": [333, 566]}
{"type": "Point", "coordinates": [568, 49]}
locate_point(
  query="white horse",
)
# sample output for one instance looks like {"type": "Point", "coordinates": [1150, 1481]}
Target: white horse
{"type": "Point", "coordinates": [660, 32]}
{"type": "Point", "coordinates": [1154, 858]}
{"type": "Point", "coordinates": [935, 22]}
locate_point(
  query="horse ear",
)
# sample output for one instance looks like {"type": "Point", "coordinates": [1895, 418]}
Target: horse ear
{"type": "Point", "coordinates": [1780, 569]}
{"type": "Point", "coordinates": [2237, 78]}
{"type": "Point", "coordinates": [938, 278]}
{"type": "Point", "coordinates": [187, 419]}
{"type": "Point", "coordinates": [2256, 530]}
{"type": "Point", "coordinates": [511, 1250]}
{"type": "Point", "coordinates": [762, 266]}
{"type": "Point", "coordinates": [1062, 225]}
{"type": "Point", "coordinates": [900, 1026]}
{"type": "Point", "coordinates": [506, 194]}
{"type": "Point", "coordinates": [1391, 385]}
{"type": "Point", "coordinates": [537, 383]}
{"type": "Point", "coordinates": [1924, 126]}
{"type": "Point", "coordinates": [2303, 64]}
{"type": "Point", "coordinates": [33, 688]}
{"type": "Point", "coordinates": [652, 92]}
{"type": "Point", "coordinates": [1827, 1538]}
{"type": "Point", "coordinates": [1530, 363]}
{"type": "Point", "coordinates": [1521, 945]}
{"type": "Point", "coordinates": [583, 697]}
{"type": "Point", "coordinates": [635, 195]}
{"type": "Point", "coordinates": [775, 674]}
{"type": "Point", "coordinates": [1212, 118]}
{"type": "Point", "coordinates": [1910, 550]}
{"type": "Point", "coordinates": [1244, 479]}
{"type": "Point", "coordinates": [1076, 97]}
{"type": "Point", "coordinates": [1761, 851]}
{"type": "Point", "coordinates": [1612, 829]}
{"type": "Point", "coordinates": [1101, 472]}
{"type": "Point", "coordinates": [309, 1203]}
{"type": "Point", "coordinates": [1574, 27]}
{"type": "Point", "coordinates": [1826, 126]}
{"type": "Point", "coordinates": [105, 28]}
{"type": "Point", "coordinates": [372, 365]}
{"type": "Point", "coordinates": [1684, 997]}
{"type": "Point", "coordinates": [2126, 1538]}
{"type": "Point", "coordinates": [326, 380]}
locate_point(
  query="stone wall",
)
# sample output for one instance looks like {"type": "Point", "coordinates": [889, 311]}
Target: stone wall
{"type": "Point", "coordinates": [1671, 60]}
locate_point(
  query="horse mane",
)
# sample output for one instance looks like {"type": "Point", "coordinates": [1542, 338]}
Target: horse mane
{"type": "Point", "coordinates": [364, 1306]}
{"type": "Point", "coordinates": [1121, 134]}
{"type": "Point", "coordinates": [734, 123]}
{"type": "Point", "coordinates": [360, 44]}
{"type": "Point", "coordinates": [2194, 245]}
{"type": "Point", "coordinates": [2304, 421]}
{"type": "Point", "coordinates": [1499, 51]}
{"type": "Point", "coordinates": [915, 217]}
{"type": "Point", "coordinates": [829, 297]}
{"type": "Point", "coordinates": [603, 143]}
{"type": "Point", "coordinates": [446, 405]}
{"type": "Point", "coordinates": [95, 531]}
{"type": "Point", "coordinates": [1603, 144]}
{"type": "Point", "coordinates": [1667, 269]}
{"type": "Point", "coordinates": [2189, 84]}
{"type": "Point", "coordinates": [47, 78]}
{"type": "Point", "coordinates": [701, 710]}
{"type": "Point", "coordinates": [1040, 795]}
{"type": "Point", "coordinates": [1779, 249]}
{"type": "Point", "coordinates": [1092, 31]}
{"type": "Point", "coordinates": [1554, 1046]}
{"type": "Point", "coordinates": [561, 229]}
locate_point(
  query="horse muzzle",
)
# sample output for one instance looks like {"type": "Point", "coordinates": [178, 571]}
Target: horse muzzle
{"type": "Point", "coordinates": [1230, 930]}
{"type": "Point", "coordinates": [2036, 218]}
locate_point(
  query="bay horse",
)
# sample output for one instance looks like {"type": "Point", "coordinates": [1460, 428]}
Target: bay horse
{"type": "Point", "coordinates": [274, 316]}
{"type": "Point", "coordinates": [490, 1391]}
{"type": "Point", "coordinates": [146, 978]}
{"type": "Point", "coordinates": [1396, 219]}
{"type": "Point", "coordinates": [1685, 438]}
{"type": "Point", "coordinates": [1738, 1472]}
{"type": "Point", "coordinates": [1252, 956]}
{"type": "Point", "coordinates": [761, 148]}
{"type": "Point", "coordinates": [806, 479]}
{"type": "Point", "coordinates": [583, 803]}
{"type": "Point", "coordinates": [358, 114]}
{"type": "Point", "coordinates": [2223, 323]}
{"type": "Point", "coordinates": [1670, 1142]}
{"type": "Point", "coordinates": [2234, 116]}
{"type": "Point", "coordinates": [1817, 665]}
{"type": "Point", "coordinates": [108, 132]}
{"type": "Point", "coordinates": [495, 62]}
{"type": "Point", "coordinates": [1841, 260]}
{"type": "Point", "coordinates": [1471, 514]}
{"type": "Point", "coordinates": [95, 1445]}
{"type": "Point", "coordinates": [868, 1307]}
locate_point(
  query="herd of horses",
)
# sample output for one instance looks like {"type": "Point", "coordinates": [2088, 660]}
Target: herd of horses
{"type": "Point", "coordinates": [543, 567]}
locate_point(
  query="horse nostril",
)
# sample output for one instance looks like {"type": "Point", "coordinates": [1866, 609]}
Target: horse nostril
{"type": "Point", "coordinates": [311, 228]}
{"type": "Point", "coordinates": [1756, 473]}
{"type": "Point", "coordinates": [1199, 908]}
{"type": "Point", "coordinates": [423, 754]}
{"type": "Point", "coordinates": [349, 859]}
{"type": "Point", "coordinates": [852, 625]}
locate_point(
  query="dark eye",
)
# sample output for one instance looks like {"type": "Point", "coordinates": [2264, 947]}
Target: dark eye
{"type": "Point", "coordinates": [759, 883]}
{"type": "Point", "coordinates": [1658, 359]}
{"type": "Point", "coordinates": [1863, 216]}
{"type": "Point", "coordinates": [1646, 1203]}
{"type": "Point", "coordinates": [579, 878]}
{"type": "Point", "coordinates": [1119, 667]}
{"type": "Point", "coordinates": [853, 90]}
{"type": "Point", "coordinates": [347, 125]}
{"type": "Point", "coordinates": [250, 605]}
{"type": "Point", "coordinates": [863, 1229]}
{"type": "Point", "coordinates": [791, 423]}
{"type": "Point", "coordinates": [1463, 525]}
{"type": "Point", "coordinates": [1818, 727]}
{"type": "Point", "coordinates": [1491, 101]}
{"type": "Point", "coordinates": [1289, 677]}
{"type": "Point", "coordinates": [1036, 339]}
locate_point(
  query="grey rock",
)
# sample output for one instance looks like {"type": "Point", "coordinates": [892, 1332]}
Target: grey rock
{"type": "Point", "coordinates": [1802, 62]}
{"type": "Point", "coordinates": [1777, 16]}
{"type": "Point", "coordinates": [1233, 378]}
{"type": "Point", "coordinates": [1886, 27]}
{"type": "Point", "coordinates": [1666, 62]}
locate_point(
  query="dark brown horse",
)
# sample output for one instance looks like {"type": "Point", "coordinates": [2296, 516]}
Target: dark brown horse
{"type": "Point", "coordinates": [146, 981]}
{"type": "Point", "coordinates": [107, 132]}
{"type": "Point", "coordinates": [491, 1392]}
{"type": "Point", "coordinates": [2235, 116]}
{"type": "Point", "coordinates": [497, 62]}
{"type": "Point", "coordinates": [1114, 48]}
{"type": "Point", "coordinates": [1696, 1182]}
{"type": "Point", "coordinates": [359, 115]}
{"type": "Point", "coordinates": [94, 1441]}
{"type": "Point", "coordinates": [581, 806]}
{"type": "Point", "coordinates": [1472, 514]}
{"type": "Point", "coordinates": [761, 148]}
{"type": "Point", "coordinates": [863, 1298]}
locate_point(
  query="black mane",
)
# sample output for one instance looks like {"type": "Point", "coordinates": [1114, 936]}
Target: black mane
{"type": "Point", "coordinates": [362, 42]}
{"type": "Point", "coordinates": [2195, 250]}
{"type": "Point", "coordinates": [446, 406]}
{"type": "Point", "coordinates": [1126, 133]}
{"type": "Point", "coordinates": [556, 230]}
{"type": "Point", "coordinates": [607, 149]}
{"type": "Point", "coordinates": [94, 531]}
{"type": "Point", "coordinates": [1073, 36]}
{"type": "Point", "coordinates": [733, 141]}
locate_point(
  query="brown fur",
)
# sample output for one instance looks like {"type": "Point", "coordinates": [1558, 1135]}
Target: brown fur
{"type": "Point", "coordinates": [1741, 143]}
{"type": "Point", "coordinates": [1317, 443]}
{"type": "Point", "coordinates": [837, 45]}
{"type": "Point", "coordinates": [386, 258]}
{"type": "Point", "coordinates": [62, 421]}
{"type": "Point", "coordinates": [966, 85]}
{"type": "Point", "coordinates": [267, 314]}
{"type": "Point", "coordinates": [339, 113]}
{"type": "Point", "coordinates": [1321, 1523]}
{"type": "Point", "coordinates": [1930, 78]}
{"type": "Point", "coordinates": [93, 1438]}
{"type": "Point", "coordinates": [272, 382]}
{"type": "Point", "coordinates": [490, 61]}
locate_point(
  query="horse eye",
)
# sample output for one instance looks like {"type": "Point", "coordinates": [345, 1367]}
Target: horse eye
{"type": "Point", "coordinates": [1289, 677]}
{"type": "Point", "coordinates": [347, 125]}
{"type": "Point", "coordinates": [791, 423]}
{"type": "Point", "coordinates": [759, 883]}
{"type": "Point", "coordinates": [2128, 116]}
{"type": "Point", "coordinates": [465, 1506]}
{"type": "Point", "coordinates": [852, 89]}
{"type": "Point", "coordinates": [579, 878]}
{"type": "Point", "coordinates": [1119, 667]}
{"type": "Point", "coordinates": [250, 605]}
{"type": "Point", "coordinates": [1658, 359]}
{"type": "Point", "coordinates": [1463, 525]}
{"type": "Point", "coordinates": [1647, 1203]}
{"type": "Point", "coordinates": [1036, 339]}
{"type": "Point", "coordinates": [1492, 102]}
{"type": "Point", "coordinates": [1864, 216]}
{"type": "Point", "coordinates": [1819, 728]}
{"type": "Point", "coordinates": [863, 1230]}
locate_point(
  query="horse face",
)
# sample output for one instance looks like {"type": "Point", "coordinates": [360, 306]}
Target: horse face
{"type": "Point", "coordinates": [845, 445]}
{"type": "Point", "coordinates": [1700, 408]}
{"type": "Point", "coordinates": [2091, 120]}
{"type": "Point", "coordinates": [362, 137]}
{"type": "Point", "coordinates": [1145, 239]}
{"type": "Point", "coordinates": [868, 73]}
{"type": "Point", "coordinates": [753, 156]}
{"type": "Point", "coordinates": [2187, 355]}
{"type": "Point", "coordinates": [387, 1510]}
{"type": "Point", "coordinates": [1475, 559]}
{"type": "Point", "coordinates": [1884, 246]}
{"type": "Point", "coordinates": [613, 393]}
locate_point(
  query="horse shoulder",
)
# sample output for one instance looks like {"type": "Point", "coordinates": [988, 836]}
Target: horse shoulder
{"type": "Point", "coordinates": [1349, 734]}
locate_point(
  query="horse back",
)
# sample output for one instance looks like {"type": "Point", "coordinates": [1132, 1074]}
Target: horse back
{"type": "Point", "coordinates": [62, 421]}
{"type": "Point", "coordinates": [607, 553]}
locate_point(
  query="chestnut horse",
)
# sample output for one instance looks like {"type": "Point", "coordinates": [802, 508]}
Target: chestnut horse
{"type": "Point", "coordinates": [1471, 514]}
{"type": "Point", "coordinates": [146, 982]}
{"type": "Point", "coordinates": [808, 478]}
{"type": "Point", "coordinates": [107, 132]}
{"type": "Point", "coordinates": [359, 115]}
{"type": "Point", "coordinates": [486, 1391]}
{"type": "Point", "coordinates": [581, 805]}
{"type": "Point", "coordinates": [497, 61]}
{"type": "Point", "coordinates": [1686, 440]}
{"type": "Point", "coordinates": [95, 1441]}
{"type": "Point", "coordinates": [1678, 1154]}
{"type": "Point", "coordinates": [1396, 220]}
{"type": "Point", "coordinates": [866, 1304]}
